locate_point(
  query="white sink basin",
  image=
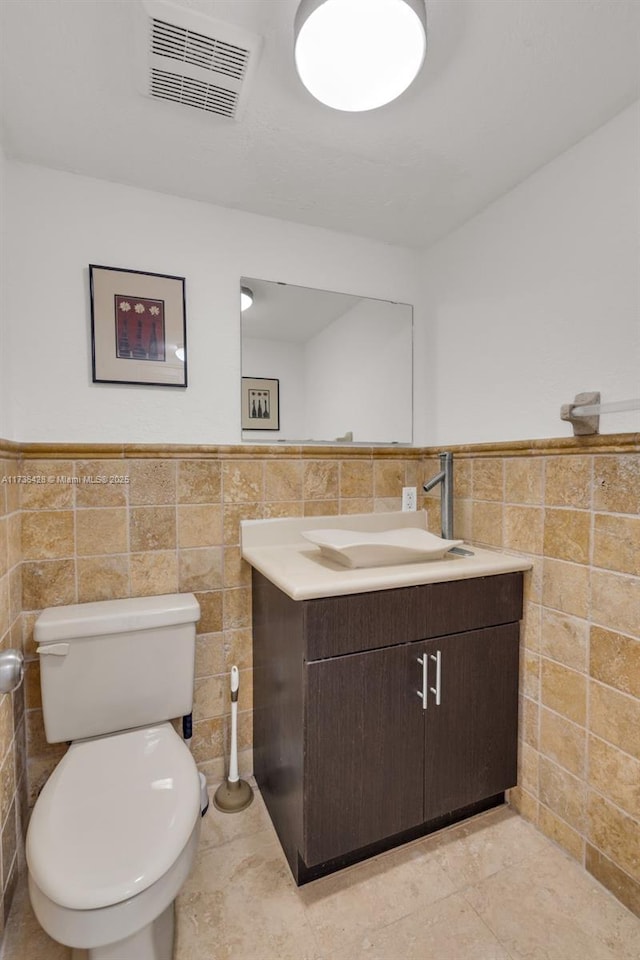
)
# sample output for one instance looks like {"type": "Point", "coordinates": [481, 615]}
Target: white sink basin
{"type": "Point", "coordinates": [357, 548]}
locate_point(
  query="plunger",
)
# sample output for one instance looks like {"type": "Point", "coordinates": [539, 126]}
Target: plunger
{"type": "Point", "coordinates": [233, 794]}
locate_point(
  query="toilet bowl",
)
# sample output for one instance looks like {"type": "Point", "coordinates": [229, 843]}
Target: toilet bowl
{"type": "Point", "coordinates": [114, 832]}
{"type": "Point", "coordinates": [111, 841]}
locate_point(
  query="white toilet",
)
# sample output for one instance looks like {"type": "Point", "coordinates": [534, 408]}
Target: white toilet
{"type": "Point", "coordinates": [114, 832]}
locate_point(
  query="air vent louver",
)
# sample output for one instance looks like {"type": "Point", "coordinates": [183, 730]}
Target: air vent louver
{"type": "Point", "coordinates": [193, 60]}
{"type": "Point", "coordinates": [168, 40]}
{"type": "Point", "coordinates": [195, 93]}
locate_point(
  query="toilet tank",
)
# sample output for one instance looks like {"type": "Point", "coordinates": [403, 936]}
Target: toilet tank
{"type": "Point", "coordinates": [116, 664]}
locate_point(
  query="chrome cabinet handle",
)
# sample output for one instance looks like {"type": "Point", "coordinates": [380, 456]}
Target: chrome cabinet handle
{"type": "Point", "coordinates": [436, 690]}
{"type": "Point", "coordinates": [424, 663]}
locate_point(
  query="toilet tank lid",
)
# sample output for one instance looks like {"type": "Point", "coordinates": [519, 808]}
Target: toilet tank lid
{"type": "Point", "coordinates": [115, 616]}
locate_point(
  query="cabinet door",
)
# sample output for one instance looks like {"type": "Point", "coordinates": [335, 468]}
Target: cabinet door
{"type": "Point", "coordinates": [364, 744]}
{"type": "Point", "coordinates": [471, 736]}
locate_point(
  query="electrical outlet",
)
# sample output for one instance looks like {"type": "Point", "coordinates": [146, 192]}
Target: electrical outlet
{"type": "Point", "coordinates": [409, 498]}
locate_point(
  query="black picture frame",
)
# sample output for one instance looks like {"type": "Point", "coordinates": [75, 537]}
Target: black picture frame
{"type": "Point", "coordinates": [260, 403]}
{"type": "Point", "coordinates": [138, 327]}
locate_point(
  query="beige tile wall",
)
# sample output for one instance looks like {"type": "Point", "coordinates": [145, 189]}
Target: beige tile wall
{"type": "Point", "coordinates": [576, 515]}
{"type": "Point", "coordinates": [570, 506]}
{"type": "Point", "coordinates": [13, 793]}
{"type": "Point", "coordinates": [160, 524]}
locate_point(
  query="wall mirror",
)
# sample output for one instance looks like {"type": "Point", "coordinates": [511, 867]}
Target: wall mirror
{"type": "Point", "coordinates": [321, 367]}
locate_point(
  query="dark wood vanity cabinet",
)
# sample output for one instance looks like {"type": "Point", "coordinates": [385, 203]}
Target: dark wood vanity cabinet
{"type": "Point", "coordinates": [347, 754]}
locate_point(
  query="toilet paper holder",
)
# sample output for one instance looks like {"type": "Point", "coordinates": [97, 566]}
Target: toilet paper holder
{"type": "Point", "coordinates": [11, 670]}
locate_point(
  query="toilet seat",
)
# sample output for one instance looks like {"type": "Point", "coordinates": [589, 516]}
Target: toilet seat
{"type": "Point", "coordinates": [113, 818]}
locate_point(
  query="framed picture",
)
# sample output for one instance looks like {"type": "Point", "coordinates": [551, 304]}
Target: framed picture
{"type": "Point", "coordinates": [260, 404]}
{"type": "Point", "coordinates": [138, 327]}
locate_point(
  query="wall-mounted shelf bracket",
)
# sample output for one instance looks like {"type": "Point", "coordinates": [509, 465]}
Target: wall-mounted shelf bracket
{"type": "Point", "coordinates": [582, 425]}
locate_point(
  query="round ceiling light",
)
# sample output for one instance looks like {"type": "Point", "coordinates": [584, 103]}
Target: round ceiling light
{"type": "Point", "coordinates": [357, 55]}
{"type": "Point", "coordinates": [246, 298]}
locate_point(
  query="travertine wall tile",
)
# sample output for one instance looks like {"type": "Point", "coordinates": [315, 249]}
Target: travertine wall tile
{"type": "Point", "coordinates": [615, 602]}
{"type": "Point", "coordinates": [567, 535]}
{"type": "Point", "coordinates": [523, 528]}
{"type": "Point", "coordinates": [321, 508]}
{"type": "Point", "coordinates": [624, 887]}
{"type": "Point", "coordinates": [283, 480]}
{"type": "Point", "coordinates": [47, 534]}
{"type": "Point", "coordinates": [101, 531]}
{"type": "Point", "coordinates": [279, 509]}
{"type": "Point", "coordinates": [616, 775]}
{"type": "Point", "coordinates": [238, 648]}
{"type": "Point", "coordinates": [561, 833]}
{"type": "Point", "coordinates": [564, 690]}
{"type": "Point", "coordinates": [528, 763]}
{"type": "Point", "coordinates": [200, 569]}
{"type": "Point", "coordinates": [356, 505]}
{"type": "Point", "coordinates": [486, 522]}
{"type": "Point", "coordinates": [530, 674]}
{"type": "Point", "coordinates": [237, 608]}
{"type": "Point", "coordinates": [564, 639]}
{"type": "Point", "coordinates": [48, 583]}
{"type": "Point", "coordinates": [462, 478]}
{"type": "Point", "coordinates": [152, 528]}
{"type": "Point", "coordinates": [529, 721]}
{"type": "Point", "coordinates": [388, 478]}
{"type": "Point", "coordinates": [524, 480]}
{"type": "Point", "coordinates": [563, 741]}
{"type": "Point", "coordinates": [616, 543]}
{"type": "Point", "coordinates": [210, 612]}
{"type": "Point", "coordinates": [565, 587]}
{"type": "Point", "coordinates": [568, 482]}
{"type": "Point", "coordinates": [615, 659]}
{"type": "Point", "coordinates": [200, 525]}
{"type": "Point", "coordinates": [210, 654]}
{"type": "Point", "coordinates": [155, 572]}
{"type": "Point", "coordinates": [151, 482]}
{"type": "Point", "coordinates": [356, 478]}
{"type": "Point", "coordinates": [616, 483]}
{"type": "Point", "coordinates": [488, 479]}
{"type": "Point", "coordinates": [530, 628]}
{"type": "Point", "coordinates": [615, 717]}
{"type": "Point", "coordinates": [199, 481]}
{"type": "Point", "coordinates": [102, 578]}
{"type": "Point", "coordinates": [563, 793]}
{"type": "Point", "coordinates": [615, 833]}
{"type": "Point", "coordinates": [320, 480]}
{"type": "Point", "coordinates": [237, 572]}
{"type": "Point", "coordinates": [50, 486]}
{"type": "Point", "coordinates": [102, 483]}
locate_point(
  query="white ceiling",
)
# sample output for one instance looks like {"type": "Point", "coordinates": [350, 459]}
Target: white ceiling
{"type": "Point", "coordinates": [507, 86]}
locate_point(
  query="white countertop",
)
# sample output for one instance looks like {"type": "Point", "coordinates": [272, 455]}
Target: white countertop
{"type": "Point", "coordinates": [277, 549]}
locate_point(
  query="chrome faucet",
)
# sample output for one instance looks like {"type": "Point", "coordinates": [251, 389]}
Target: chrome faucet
{"type": "Point", "coordinates": [445, 477]}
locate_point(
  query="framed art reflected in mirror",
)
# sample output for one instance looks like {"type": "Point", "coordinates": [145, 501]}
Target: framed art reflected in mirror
{"type": "Point", "coordinates": [260, 403]}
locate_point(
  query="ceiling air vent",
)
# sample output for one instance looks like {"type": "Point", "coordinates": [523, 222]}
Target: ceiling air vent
{"type": "Point", "coordinates": [194, 60]}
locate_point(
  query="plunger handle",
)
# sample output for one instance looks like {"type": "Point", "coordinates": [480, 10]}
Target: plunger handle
{"type": "Point", "coordinates": [233, 753]}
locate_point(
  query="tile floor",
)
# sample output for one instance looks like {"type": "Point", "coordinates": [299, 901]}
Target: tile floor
{"type": "Point", "coordinates": [490, 889]}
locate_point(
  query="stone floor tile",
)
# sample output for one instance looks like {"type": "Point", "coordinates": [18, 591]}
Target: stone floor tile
{"type": "Point", "coordinates": [447, 930]}
{"type": "Point", "coordinates": [484, 845]}
{"type": "Point", "coordinates": [548, 908]}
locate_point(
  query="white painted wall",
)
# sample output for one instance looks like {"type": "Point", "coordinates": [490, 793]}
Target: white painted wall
{"type": "Point", "coordinates": [5, 410]}
{"type": "Point", "coordinates": [358, 364]}
{"type": "Point", "coordinates": [58, 223]}
{"type": "Point", "coordinates": [537, 299]}
{"type": "Point", "coordinates": [283, 361]}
